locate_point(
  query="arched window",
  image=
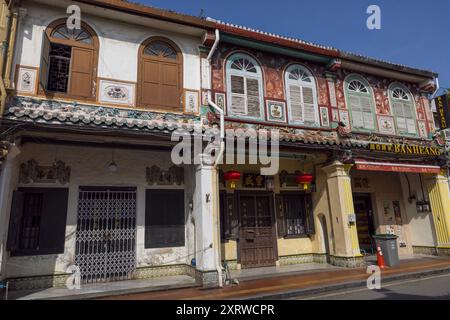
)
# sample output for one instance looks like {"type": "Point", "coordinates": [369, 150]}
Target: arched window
{"type": "Point", "coordinates": [245, 86]}
{"type": "Point", "coordinates": [160, 75]}
{"type": "Point", "coordinates": [69, 61]}
{"type": "Point", "coordinates": [301, 96]}
{"type": "Point", "coordinates": [360, 102]}
{"type": "Point", "coordinates": [403, 109]}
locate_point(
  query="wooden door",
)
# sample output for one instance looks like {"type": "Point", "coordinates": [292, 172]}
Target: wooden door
{"type": "Point", "coordinates": [364, 221]}
{"type": "Point", "coordinates": [257, 236]}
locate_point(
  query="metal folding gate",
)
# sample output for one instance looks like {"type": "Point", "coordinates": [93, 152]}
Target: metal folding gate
{"type": "Point", "coordinates": [106, 234]}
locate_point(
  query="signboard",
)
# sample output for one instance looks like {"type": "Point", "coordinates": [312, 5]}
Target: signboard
{"type": "Point", "coordinates": [405, 149]}
{"type": "Point", "coordinates": [395, 167]}
{"type": "Point", "coordinates": [254, 180]}
{"type": "Point", "coordinates": [443, 110]}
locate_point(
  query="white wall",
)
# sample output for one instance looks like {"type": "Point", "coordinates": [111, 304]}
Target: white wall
{"type": "Point", "coordinates": [119, 43]}
{"type": "Point", "coordinates": [89, 168]}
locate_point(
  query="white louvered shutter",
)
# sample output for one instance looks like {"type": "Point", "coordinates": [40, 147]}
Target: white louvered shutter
{"type": "Point", "coordinates": [367, 113]}
{"type": "Point", "coordinates": [238, 105]}
{"type": "Point", "coordinates": [295, 99]}
{"type": "Point", "coordinates": [308, 104]}
{"type": "Point", "coordinates": [253, 98]}
{"type": "Point", "coordinates": [410, 122]}
{"type": "Point", "coordinates": [357, 113]}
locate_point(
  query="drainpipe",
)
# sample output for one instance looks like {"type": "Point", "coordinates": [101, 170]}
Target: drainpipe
{"type": "Point", "coordinates": [219, 154]}
{"type": "Point", "coordinates": [436, 81]}
{"type": "Point", "coordinates": [4, 55]}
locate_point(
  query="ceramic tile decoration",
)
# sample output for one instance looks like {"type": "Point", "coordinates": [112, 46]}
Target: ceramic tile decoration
{"type": "Point", "coordinates": [115, 92]}
{"type": "Point", "coordinates": [343, 117]}
{"type": "Point", "coordinates": [324, 117]}
{"type": "Point", "coordinates": [26, 80]}
{"type": "Point", "coordinates": [386, 125]}
{"type": "Point", "coordinates": [191, 101]}
{"type": "Point", "coordinates": [335, 115]}
{"type": "Point", "coordinates": [220, 101]}
{"type": "Point", "coordinates": [422, 129]}
{"type": "Point", "coordinates": [276, 111]}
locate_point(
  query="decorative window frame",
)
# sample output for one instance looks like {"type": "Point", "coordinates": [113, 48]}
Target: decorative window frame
{"type": "Point", "coordinates": [346, 82]}
{"type": "Point", "coordinates": [313, 85]}
{"type": "Point", "coordinates": [391, 88]}
{"type": "Point", "coordinates": [259, 76]}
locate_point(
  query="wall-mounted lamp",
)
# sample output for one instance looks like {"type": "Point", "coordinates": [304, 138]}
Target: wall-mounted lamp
{"type": "Point", "coordinates": [270, 184]}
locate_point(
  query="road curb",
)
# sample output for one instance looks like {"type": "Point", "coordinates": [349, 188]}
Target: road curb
{"type": "Point", "coordinates": [346, 285]}
{"type": "Point", "coordinates": [122, 292]}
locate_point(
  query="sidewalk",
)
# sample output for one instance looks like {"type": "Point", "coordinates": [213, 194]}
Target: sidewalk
{"type": "Point", "coordinates": [284, 287]}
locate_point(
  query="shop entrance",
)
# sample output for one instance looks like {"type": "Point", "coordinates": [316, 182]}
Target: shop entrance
{"type": "Point", "coordinates": [257, 236]}
{"type": "Point", "coordinates": [106, 234]}
{"type": "Point", "coordinates": [364, 221]}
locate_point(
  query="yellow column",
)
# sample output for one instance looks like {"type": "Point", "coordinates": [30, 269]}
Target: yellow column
{"type": "Point", "coordinates": [341, 208]}
{"type": "Point", "coordinates": [439, 195]}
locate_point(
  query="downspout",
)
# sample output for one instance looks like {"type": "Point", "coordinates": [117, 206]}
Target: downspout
{"type": "Point", "coordinates": [219, 155]}
{"type": "Point", "coordinates": [4, 55]}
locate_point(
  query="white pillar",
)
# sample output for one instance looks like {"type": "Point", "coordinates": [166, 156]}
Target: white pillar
{"type": "Point", "coordinates": [206, 244]}
{"type": "Point", "coordinates": [6, 191]}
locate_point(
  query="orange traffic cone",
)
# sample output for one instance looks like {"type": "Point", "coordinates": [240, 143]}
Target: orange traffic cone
{"type": "Point", "coordinates": [380, 258]}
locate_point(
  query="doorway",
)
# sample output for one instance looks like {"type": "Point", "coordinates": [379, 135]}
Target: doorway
{"type": "Point", "coordinates": [257, 236]}
{"type": "Point", "coordinates": [364, 222]}
{"type": "Point", "coordinates": [106, 234]}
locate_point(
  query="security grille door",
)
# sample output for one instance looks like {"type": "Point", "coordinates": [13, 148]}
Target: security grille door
{"type": "Point", "coordinates": [106, 234]}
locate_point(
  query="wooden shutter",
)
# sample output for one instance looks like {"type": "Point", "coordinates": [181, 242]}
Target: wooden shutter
{"type": "Point", "coordinates": [357, 114]}
{"type": "Point", "coordinates": [295, 100]}
{"type": "Point", "coordinates": [410, 122]}
{"type": "Point", "coordinates": [253, 98]}
{"type": "Point", "coordinates": [53, 221]}
{"type": "Point", "coordinates": [45, 62]}
{"type": "Point", "coordinates": [15, 221]}
{"type": "Point", "coordinates": [366, 107]}
{"type": "Point", "coordinates": [170, 86]}
{"type": "Point", "coordinates": [150, 83]}
{"type": "Point", "coordinates": [232, 217]}
{"type": "Point", "coordinates": [280, 214]}
{"type": "Point", "coordinates": [310, 229]}
{"type": "Point", "coordinates": [308, 103]}
{"type": "Point", "coordinates": [238, 95]}
{"type": "Point", "coordinates": [81, 73]}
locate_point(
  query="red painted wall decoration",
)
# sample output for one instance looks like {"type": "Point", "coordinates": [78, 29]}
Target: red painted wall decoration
{"type": "Point", "coordinates": [274, 66]}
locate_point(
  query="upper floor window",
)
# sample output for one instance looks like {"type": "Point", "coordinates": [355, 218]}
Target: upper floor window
{"type": "Point", "coordinates": [301, 96]}
{"type": "Point", "coordinates": [160, 75]}
{"type": "Point", "coordinates": [360, 102]}
{"type": "Point", "coordinates": [69, 61]}
{"type": "Point", "coordinates": [245, 87]}
{"type": "Point", "coordinates": [403, 109]}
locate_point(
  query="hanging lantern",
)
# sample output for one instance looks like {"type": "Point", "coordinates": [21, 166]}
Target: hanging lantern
{"type": "Point", "coordinates": [232, 176]}
{"type": "Point", "coordinates": [304, 180]}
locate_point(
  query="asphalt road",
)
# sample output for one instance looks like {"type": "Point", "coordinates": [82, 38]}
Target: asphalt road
{"type": "Point", "coordinates": [432, 288]}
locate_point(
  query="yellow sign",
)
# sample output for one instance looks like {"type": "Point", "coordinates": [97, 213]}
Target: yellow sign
{"type": "Point", "coordinates": [405, 149]}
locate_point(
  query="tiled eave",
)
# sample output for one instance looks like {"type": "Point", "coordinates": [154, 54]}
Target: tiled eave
{"type": "Point", "coordinates": [41, 111]}
{"type": "Point", "coordinates": [55, 112]}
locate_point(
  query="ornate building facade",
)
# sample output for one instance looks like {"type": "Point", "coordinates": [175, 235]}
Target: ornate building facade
{"type": "Point", "coordinates": [89, 180]}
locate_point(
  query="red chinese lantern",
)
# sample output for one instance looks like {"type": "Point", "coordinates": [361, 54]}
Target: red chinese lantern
{"type": "Point", "coordinates": [304, 179]}
{"type": "Point", "coordinates": [232, 176]}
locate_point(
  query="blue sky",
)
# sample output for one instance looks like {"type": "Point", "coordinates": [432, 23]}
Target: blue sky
{"type": "Point", "coordinates": [415, 32]}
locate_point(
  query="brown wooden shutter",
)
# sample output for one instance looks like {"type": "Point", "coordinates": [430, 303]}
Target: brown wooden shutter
{"type": "Point", "coordinates": [160, 85]}
{"type": "Point", "coordinates": [45, 61]}
{"type": "Point", "coordinates": [53, 220]}
{"type": "Point", "coordinates": [81, 73]}
{"type": "Point", "coordinates": [15, 221]}
{"type": "Point", "coordinates": [280, 214]}
{"type": "Point", "coordinates": [310, 229]}
{"type": "Point", "coordinates": [232, 218]}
